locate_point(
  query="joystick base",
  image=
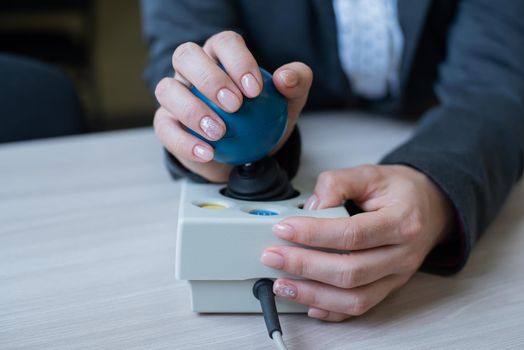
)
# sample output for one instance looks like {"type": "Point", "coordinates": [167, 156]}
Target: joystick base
{"type": "Point", "coordinates": [261, 181]}
{"type": "Point", "coordinates": [220, 241]}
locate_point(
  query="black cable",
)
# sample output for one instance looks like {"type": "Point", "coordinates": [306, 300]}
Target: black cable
{"type": "Point", "coordinates": [263, 291]}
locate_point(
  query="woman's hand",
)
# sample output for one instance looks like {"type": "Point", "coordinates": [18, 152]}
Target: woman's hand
{"type": "Point", "coordinates": [195, 65]}
{"type": "Point", "coordinates": [405, 216]}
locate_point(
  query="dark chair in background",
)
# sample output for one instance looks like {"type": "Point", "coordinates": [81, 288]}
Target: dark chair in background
{"type": "Point", "coordinates": [36, 99]}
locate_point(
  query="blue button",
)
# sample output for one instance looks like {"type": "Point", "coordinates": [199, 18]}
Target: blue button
{"type": "Point", "coordinates": [262, 212]}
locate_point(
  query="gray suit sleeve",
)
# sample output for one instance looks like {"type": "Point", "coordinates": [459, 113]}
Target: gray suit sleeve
{"type": "Point", "coordinates": [472, 144]}
{"type": "Point", "coordinates": [169, 23]}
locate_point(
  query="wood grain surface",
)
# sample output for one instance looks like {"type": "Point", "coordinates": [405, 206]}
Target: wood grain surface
{"type": "Point", "coordinates": [87, 242]}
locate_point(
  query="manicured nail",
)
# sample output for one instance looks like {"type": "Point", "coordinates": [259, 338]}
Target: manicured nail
{"type": "Point", "coordinates": [289, 77]}
{"type": "Point", "coordinates": [228, 99]}
{"type": "Point", "coordinates": [285, 289]}
{"type": "Point", "coordinates": [311, 203]}
{"type": "Point", "coordinates": [272, 259]}
{"type": "Point", "coordinates": [202, 152]}
{"type": "Point", "coordinates": [284, 231]}
{"type": "Point", "coordinates": [212, 129]}
{"type": "Point", "coordinates": [317, 313]}
{"type": "Point", "coordinates": [250, 85]}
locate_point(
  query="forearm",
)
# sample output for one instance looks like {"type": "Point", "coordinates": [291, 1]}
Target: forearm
{"type": "Point", "coordinates": [475, 159]}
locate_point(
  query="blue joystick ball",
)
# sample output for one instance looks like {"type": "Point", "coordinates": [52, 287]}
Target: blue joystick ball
{"type": "Point", "coordinates": [254, 130]}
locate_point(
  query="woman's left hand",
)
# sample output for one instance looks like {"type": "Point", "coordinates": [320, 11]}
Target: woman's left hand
{"type": "Point", "coordinates": [405, 216]}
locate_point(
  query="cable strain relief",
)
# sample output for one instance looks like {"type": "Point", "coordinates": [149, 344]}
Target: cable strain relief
{"type": "Point", "coordinates": [263, 291]}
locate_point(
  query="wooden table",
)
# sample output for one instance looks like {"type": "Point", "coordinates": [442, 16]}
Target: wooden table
{"type": "Point", "coordinates": [87, 242]}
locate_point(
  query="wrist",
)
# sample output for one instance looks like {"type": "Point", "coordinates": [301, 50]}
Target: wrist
{"type": "Point", "coordinates": [440, 211]}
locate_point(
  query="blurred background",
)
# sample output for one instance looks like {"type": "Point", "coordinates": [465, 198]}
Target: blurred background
{"type": "Point", "coordinates": [97, 44]}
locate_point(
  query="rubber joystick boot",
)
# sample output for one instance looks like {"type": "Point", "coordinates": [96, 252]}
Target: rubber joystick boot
{"type": "Point", "coordinates": [261, 181]}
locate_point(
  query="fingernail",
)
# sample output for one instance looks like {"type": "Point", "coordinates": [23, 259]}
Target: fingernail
{"type": "Point", "coordinates": [202, 152]}
{"type": "Point", "coordinates": [289, 77]}
{"type": "Point", "coordinates": [317, 313]}
{"type": "Point", "coordinates": [228, 99]}
{"type": "Point", "coordinates": [284, 231]}
{"type": "Point", "coordinates": [311, 203]}
{"type": "Point", "coordinates": [212, 129]}
{"type": "Point", "coordinates": [285, 289]}
{"type": "Point", "coordinates": [250, 85]}
{"type": "Point", "coordinates": [272, 259]}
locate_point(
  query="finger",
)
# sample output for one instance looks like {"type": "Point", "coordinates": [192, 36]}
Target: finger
{"type": "Point", "coordinates": [362, 231]}
{"type": "Point", "coordinates": [192, 63]}
{"type": "Point", "coordinates": [325, 315]}
{"type": "Point", "coordinates": [293, 80]}
{"type": "Point", "coordinates": [188, 109]}
{"type": "Point", "coordinates": [230, 49]}
{"type": "Point", "coordinates": [182, 80]}
{"type": "Point", "coordinates": [178, 141]}
{"type": "Point", "coordinates": [335, 186]}
{"type": "Point", "coordinates": [354, 302]}
{"type": "Point", "coordinates": [341, 270]}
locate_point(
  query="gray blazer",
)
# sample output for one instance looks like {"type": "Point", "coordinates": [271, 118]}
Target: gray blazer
{"type": "Point", "coordinates": [462, 74]}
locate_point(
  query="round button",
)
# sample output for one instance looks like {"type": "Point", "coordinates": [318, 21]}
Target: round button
{"type": "Point", "coordinates": [211, 206]}
{"type": "Point", "coordinates": [263, 212]}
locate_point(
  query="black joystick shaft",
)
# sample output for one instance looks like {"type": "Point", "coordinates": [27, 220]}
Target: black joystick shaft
{"type": "Point", "coordinates": [262, 180]}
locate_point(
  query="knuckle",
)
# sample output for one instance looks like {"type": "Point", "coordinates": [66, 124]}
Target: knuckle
{"type": "Point", "coordinates": [328, 180]}
{"type": "Point", "coordinates": [188, 112]}
{"type": "Point", "coordinates": [298, 265]}
{"type": "Point", "coordinates": [359, 306]}
{"type": "Point", "coordinates": [308, 236]}
{"type": "Point", "coordinates": [161, 129]}
{"type": "Point", "coordinates": [225, 37]}
{"type": "Point", "coordinates": [352, 237]}
{"type": "Point", "coordinates": [162, 85]}
{"type": "Point", "coordinates": [351, 276]}
{"type": "Point", "coordinates": [412, 227]}
{"type": "Point", "coordinates": [178, 146]}
{"type": "Point", "coordinates": [368, 171]}
{"type": "Point", "coordinates": [313, 299]}
{"type": "Point", "coordinates": [183, 51]}
{"type": "Point", "coordinates": [208, 81]}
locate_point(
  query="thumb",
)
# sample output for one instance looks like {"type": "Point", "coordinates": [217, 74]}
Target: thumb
{"type": "Point", "coordinates": [293, 80]}
{"type": "Point", "coordinates": [336, 186]}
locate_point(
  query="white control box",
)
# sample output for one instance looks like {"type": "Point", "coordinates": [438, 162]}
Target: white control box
{"type": "Point", "coordinates": [220, 241]}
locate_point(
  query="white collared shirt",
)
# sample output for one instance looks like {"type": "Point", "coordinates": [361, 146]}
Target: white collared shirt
{"type": "Point", "coordinates": [370, 45]}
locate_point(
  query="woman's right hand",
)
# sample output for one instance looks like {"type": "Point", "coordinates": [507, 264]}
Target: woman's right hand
{"type": "Point", "coordinates": [195, 65]}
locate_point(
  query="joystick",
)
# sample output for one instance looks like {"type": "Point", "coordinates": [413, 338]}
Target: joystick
{"type": "Point", "coordinates": [222, 231]}
{"type": "Point", "coordinates": [251, 133]}
{"type": "Point", "coordinates": [261, 181]}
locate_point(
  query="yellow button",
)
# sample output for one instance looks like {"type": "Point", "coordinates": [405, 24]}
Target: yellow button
{"type": "Point", "coordinates": [212, 206]}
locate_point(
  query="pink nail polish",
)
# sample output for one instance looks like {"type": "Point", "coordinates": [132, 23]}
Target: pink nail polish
{"type": "Point", "coordinates": [283, 231]}
{"type": "Point", "coordinates": [250, 85]}
{"type": "Point", "coordinates": [203, 152]}
{"type": "Point", "coordinates": [317, 313]}
{"type": "Point", "coordinates": [312, 203]}
{"type": "Point", "coordinates": [285, 290]}
{"type": "Point", "coordinates": [272, 259]}
{"type": "Point", "coordinates": [289, 78]}
{"type": "Point", "coordinates": [228, 100]}
{"type": "Point", "coordinates": [211, 128]}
